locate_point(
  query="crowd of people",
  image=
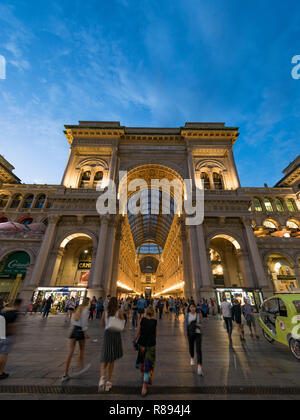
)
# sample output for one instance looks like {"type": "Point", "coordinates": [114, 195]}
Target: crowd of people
{"type": "Point", "coordinates": [134, 313]}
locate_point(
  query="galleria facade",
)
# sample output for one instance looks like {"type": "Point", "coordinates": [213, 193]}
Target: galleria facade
{"type": "Point", "coordinates": [53, 240]}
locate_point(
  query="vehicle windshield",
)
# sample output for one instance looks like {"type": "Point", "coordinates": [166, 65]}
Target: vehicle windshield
{"type": "Point", "coordinates": [297, 305]}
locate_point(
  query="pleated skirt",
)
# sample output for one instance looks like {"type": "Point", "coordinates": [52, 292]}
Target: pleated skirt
{"type": "Point", "coordinates": [112, 347]}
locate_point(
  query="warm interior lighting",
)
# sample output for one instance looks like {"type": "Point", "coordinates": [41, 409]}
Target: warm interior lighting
{"type": "Point", "coordinates": [123, 286]}
{"type": "Point", "coordinates": [177, 286]}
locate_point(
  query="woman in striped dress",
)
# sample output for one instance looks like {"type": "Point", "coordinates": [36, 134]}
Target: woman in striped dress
{"type": "Point", "coordinates": [112, 349]}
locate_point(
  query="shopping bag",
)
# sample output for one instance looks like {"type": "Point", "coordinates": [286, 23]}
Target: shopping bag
{"type": "Point", "coordinates": [2, 328]}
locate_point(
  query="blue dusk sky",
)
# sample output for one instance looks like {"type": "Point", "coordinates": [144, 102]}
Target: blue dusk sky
{"type": "Point", "coordinates": [149, 63]}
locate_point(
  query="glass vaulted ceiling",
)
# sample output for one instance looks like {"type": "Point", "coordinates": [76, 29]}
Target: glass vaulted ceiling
{"type": "Point", "coordinates": [147, 227]}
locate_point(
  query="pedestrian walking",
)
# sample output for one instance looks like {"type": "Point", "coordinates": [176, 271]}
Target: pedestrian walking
{"type": "Point", "coordinates": [193, 332]}
{"type": "Point", "coordinates": [79, 334]}
{"type": "Point", "coordinates": [99, 308]}
{"type": "Point", "coordinates": [8, 334]}
{"type": "Point", "coordinates": [70, 308]}
{"type": "Point", "coordinates": [93, 308]}
{"type": "Point", "coordinates": [146, 339]}
{"type": "Point", "coordinates": [135, 313]}
{"type": "Point", "coordinates": [248, 312]}
{"type": "Point", "coordinates": [237, 317]}
{"type": "Point", "coordinates": [141, 305]}
{"type": "Point", "coordinates": [161, 304]}
{"type": "Point", "coordinates": [112, 349]}
{"type": "Point", "coordinates": [47, 307]}
{"type": "Point", "coordinates": [226, 311]}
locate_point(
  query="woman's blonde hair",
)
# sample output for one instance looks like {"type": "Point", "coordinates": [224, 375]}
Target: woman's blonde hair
{"type": "Point", "coordinates": [78, 312]}
{"type": "Point", "coordinates": [150, 311]}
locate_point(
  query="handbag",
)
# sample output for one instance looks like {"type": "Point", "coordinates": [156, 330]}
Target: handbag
{"type": "Point", "coordinates": [115, 324]}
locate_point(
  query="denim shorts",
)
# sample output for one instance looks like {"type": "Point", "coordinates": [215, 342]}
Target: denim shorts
{"type": "Point", "coordinates": [5, 346]}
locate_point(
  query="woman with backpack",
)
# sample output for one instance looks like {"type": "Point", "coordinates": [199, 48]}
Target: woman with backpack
{"type": "Point", "coordinates": [112, 350]}
{"type": "Point", "coordinates": [193, 332]}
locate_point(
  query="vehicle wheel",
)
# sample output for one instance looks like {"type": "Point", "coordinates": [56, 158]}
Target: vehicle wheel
{"type": "Point", "coordinates": [295, 348]}
{"type": "Point", "coordinates": [267, 337]}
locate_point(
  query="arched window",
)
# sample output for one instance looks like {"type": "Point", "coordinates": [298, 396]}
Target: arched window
{"type": "Point", "coordinates": [269, 224]}
{"type": "Point", "coordinates": [16, 201]}
{"type": "Point", "coordinates": [279, 204]}
{"type": "Point", "coordinates": [268, 205]}
{"type": "Point", "coordinates": [40, 202]}
{"type": "Point", "coordinates": [218, 182]}
{"type": "Point", "coordinates": [3, 200]}
{"type": "Point", "coordinates": [291, 205]}
{"type": "Point", "coordinates": [28, 201]}
{"type": "Point", "coordinates": [85, 179]}
{"type": "Point", "coordinates": [292, 225]}
{"type": "Point", "coordinates": [205, 178]}
{"type": "Point", "coordinates": [98, 177]}
{"type": "Point", "coordinates": [257, 204]}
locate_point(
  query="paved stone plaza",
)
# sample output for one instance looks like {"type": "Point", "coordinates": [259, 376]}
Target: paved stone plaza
{"type": "Point", "coordinates": [253, 370]}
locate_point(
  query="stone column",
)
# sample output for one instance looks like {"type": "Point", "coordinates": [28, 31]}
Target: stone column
{"type": "Point", "coordinates": [235, 177]}
{"type": "Point", "coordinates": [194, 263]}
{"type": "Point", "coordinates": [113, 164]}
{"type": "Point", "coordinates": [191, 167]}
{"type": "Point", "coordinates": [256, 258]}
{"type": "Point", "coordinates": [188, 281]}
{"type": "Point", "coordinates": [206, 278]}
{"type": "Point", "coordinates": [247, 273]}
{"type": "Point", "coordinates": [211, 179]}
{"type": "Point", "coordinates": [58, 257]}
{"type": "Point", "coordinates": [116, 259]}
{"type": "Point", "coordinates": [42, 258]}
{"type": "Point", "coordinates": [110, 243]}
{"type": "Point", "coordinates": [96, 279]}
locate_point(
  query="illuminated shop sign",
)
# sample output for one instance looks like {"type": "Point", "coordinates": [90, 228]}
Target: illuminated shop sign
{"type": "Point", "coordinates": [84, 265]}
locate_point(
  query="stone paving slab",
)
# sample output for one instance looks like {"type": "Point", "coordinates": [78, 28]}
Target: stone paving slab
{"type": "Point", "coordinates": [39, 355]}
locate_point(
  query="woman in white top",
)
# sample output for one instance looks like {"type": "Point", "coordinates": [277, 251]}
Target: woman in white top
{"type": "Point", "coordinates": [112, 348]}
{"type": "Point", "coordinates": [79, 334]}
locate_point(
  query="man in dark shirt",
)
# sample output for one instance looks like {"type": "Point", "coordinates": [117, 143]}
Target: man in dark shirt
{"type": "Point", "coordinates": [10, 317]}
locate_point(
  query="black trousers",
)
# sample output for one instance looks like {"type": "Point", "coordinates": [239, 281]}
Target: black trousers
{"type": "Point", "coordinates": [196, 338]}
{"type": "Point", "coordinates": [228, 323]}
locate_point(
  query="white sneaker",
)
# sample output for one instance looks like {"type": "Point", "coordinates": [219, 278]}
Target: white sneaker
{"type": "Point", "coordinates": [200, 371]}
{"type": "Point", "coordinates": [192, 362]}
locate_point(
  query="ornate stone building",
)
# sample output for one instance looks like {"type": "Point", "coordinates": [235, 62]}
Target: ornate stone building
{"type": "Point", "coordinates": [52, 237]}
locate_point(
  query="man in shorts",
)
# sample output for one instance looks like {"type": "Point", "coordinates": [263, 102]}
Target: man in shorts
{"type": "Point", "coordinates": [248, 312]}
{"type": "Point", "coordinates": [6, 344]}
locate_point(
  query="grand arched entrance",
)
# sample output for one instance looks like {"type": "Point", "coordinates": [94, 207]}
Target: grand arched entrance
{"type": "Point", "coordinates": [151, 260]}
{"type": "Point", "coordinates": [231, 271]}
